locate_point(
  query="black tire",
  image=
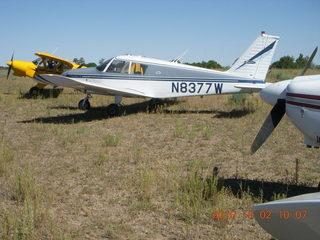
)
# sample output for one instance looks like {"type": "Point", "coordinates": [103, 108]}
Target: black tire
{"type": "Point", "coordinates": [155, 105]}
{"type": "Point", "coordinates": [34, 91]}
{"type": "Point", "coordinates": [113, 110]}
{"type": "Point", "coordinates": [84, 104]}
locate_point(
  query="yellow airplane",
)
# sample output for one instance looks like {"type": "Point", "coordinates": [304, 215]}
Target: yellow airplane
{"type": "Point", "coordinates": [44, 64]}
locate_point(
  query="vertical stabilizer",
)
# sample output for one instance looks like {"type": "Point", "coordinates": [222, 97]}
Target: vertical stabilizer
{"type": "Point", "coordinates": [255, 62]}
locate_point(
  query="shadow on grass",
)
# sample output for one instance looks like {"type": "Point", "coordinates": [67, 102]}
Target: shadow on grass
{"type": "Point", "coordinates": [235, 113]}
{"type": "Point", "coordinates": [97, 113]}
{"type": "Point", "coordinates": [265, 190]}
{"type": "Point", "coordinates": [64, 107]}
{"type": "Point", "coordinates": [43, 94]}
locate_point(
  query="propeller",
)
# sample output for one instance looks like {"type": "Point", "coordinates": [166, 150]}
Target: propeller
{"type": "Point", "coordinates": [309, 61]}
{"type": "Point", "coordinates": [269, 124]}
{"type": "Point", "coordinates": [10, 67]}
{"type": "Point", "coordinates": [276, 114]}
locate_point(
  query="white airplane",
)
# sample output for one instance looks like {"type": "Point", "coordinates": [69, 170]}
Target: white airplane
{"type": "Point", "coordinates": [295, 217]}
{"type": "Point", "coordinates": [299, 98]}
{"type": "Point", "coordinates": [136, 76]}
{"type": "Point", "coordinates": [291, 218]}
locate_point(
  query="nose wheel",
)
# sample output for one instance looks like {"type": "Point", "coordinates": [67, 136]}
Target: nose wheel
{"type": "Point", "coordinates": [84, 104]}
{"type": "Point", "coordinates": [34, 91]}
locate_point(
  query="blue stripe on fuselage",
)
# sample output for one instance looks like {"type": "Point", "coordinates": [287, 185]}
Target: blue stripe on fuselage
{"type": "Point", "coordinates": [167, 79]}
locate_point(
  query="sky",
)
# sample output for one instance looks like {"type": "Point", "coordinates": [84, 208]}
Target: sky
{"type": "Point", "coordinates": [208, 29]}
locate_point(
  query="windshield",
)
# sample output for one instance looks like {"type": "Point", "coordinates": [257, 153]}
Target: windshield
{"type": "Point", "coordinates": [116, 66]}
{"type": "Point", "coordinates": [103, 65]}
{"type": "Point", "coordinates": [36, 61]}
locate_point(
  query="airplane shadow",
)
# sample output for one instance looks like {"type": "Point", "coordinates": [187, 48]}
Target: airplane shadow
{"type": "Point", "coordinates": [64, 107]}
{"type": "Point", "coordinates": [235, 113]}
{"type": "Point", "coordinates": [268, 191]}
{"type": "Point", "coordinates": [43, 94]}
{"type": "Point", "coordinates": [99, 113]}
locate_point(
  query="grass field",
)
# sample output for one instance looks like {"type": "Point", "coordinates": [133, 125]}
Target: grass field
{"type": "Point", "coordinates": [69, 174]}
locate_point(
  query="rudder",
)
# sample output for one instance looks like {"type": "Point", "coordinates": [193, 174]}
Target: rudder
{"type": "Point", "coordinates": [255, 62]}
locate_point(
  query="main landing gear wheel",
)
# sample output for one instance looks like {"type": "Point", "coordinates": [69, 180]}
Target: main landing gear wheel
{"type": "Point", "coordinates": [113, 110]}
{"type": "Point", "coordinates": [155, 105]}
{"type": "Point", "coordinates": [34, 91]}
{"type": "Point", "coordinates": [84, 104]}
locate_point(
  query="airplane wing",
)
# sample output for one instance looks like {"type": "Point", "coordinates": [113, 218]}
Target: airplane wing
{"type": "Point", "coordinates": [70, 64]}
{"type": "Point", "coordinates": [84, 85]}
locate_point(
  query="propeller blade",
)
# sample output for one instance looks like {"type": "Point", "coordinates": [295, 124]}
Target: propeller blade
{"type": "Point", "coordinates": [10, 67]}
{"type": "Point", "coordinates": [9, 70]}
{"type": "Point", "coordinates": [269, 124]}
{"type": "Point", "coordinates": [12, 57]}
{"type": "Point", "coordinates": [309, 61]}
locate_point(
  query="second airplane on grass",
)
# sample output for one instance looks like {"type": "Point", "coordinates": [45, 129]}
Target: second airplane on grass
{"type": "Point", "coordinates": [137, 76]}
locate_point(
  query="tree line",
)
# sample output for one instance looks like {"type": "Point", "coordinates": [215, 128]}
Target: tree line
{"type": "Point", "coordinates": [291, 63]}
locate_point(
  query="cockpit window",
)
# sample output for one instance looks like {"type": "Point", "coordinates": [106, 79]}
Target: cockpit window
{"type": "Point", "coordinates": [125, 68]}
{"type": "Point", "coordinates": [103, 65]}
{"type": "Point", "coordinates": [120, 66]}
{"type": "Point", "coordinates": [116, 66]}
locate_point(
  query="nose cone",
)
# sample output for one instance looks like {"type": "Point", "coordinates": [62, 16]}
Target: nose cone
{"type": "Point", "coordinates": [274, 91]}
{"type": "Point", "coordinates": [21, 68]}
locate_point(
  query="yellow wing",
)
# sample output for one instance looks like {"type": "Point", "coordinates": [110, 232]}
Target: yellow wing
{"type": "Point", "coordinates": [48, 56]}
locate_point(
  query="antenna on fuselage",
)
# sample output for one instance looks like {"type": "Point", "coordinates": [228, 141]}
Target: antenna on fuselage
{"type": "Point", "coordinates": [177, 59]}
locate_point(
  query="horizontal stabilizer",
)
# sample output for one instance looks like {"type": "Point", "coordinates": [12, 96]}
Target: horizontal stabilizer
{"type": "Point", "coordinates": [252, 87]}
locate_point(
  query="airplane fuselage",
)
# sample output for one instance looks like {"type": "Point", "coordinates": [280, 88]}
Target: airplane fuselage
{"type": "Point", "coordinates": [303, 107]}
{"type": "Point", "coordinates": [158, 79]}
{"type": "Point", "coordinates": [302, 103]}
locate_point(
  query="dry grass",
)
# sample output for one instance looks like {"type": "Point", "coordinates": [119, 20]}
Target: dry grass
{"type": "Point", "coordinates": [67, 174]}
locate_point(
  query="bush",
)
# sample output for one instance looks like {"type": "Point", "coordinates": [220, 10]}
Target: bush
{"type": "Point", "coordinates": [238, 98]}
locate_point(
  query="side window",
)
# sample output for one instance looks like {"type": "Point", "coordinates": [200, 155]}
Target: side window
{"type": "Point", "coordinates": [116, 66]}
{"type": "Point", "coordinates": [138, 68]}
{"type": "Point", "coordinates": [125, 68]}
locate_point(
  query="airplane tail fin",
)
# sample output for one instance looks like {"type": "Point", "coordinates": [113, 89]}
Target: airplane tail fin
{"type": "Point", "coordinates": [255, 62]}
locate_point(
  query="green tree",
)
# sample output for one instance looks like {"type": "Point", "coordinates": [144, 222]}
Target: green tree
{"type": "Point", "coordinates": [301, 61]}
{"type": "Point", "coordinates": [213, 64]}
{"type": "Point", "coordinates": [91, 64]}
{"type": "Point", "coordinates": [210, 64]}
{"type": "Point", "coordinates": [80, 61]}
{"type": "Point", "coordinates": [284, 62]}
